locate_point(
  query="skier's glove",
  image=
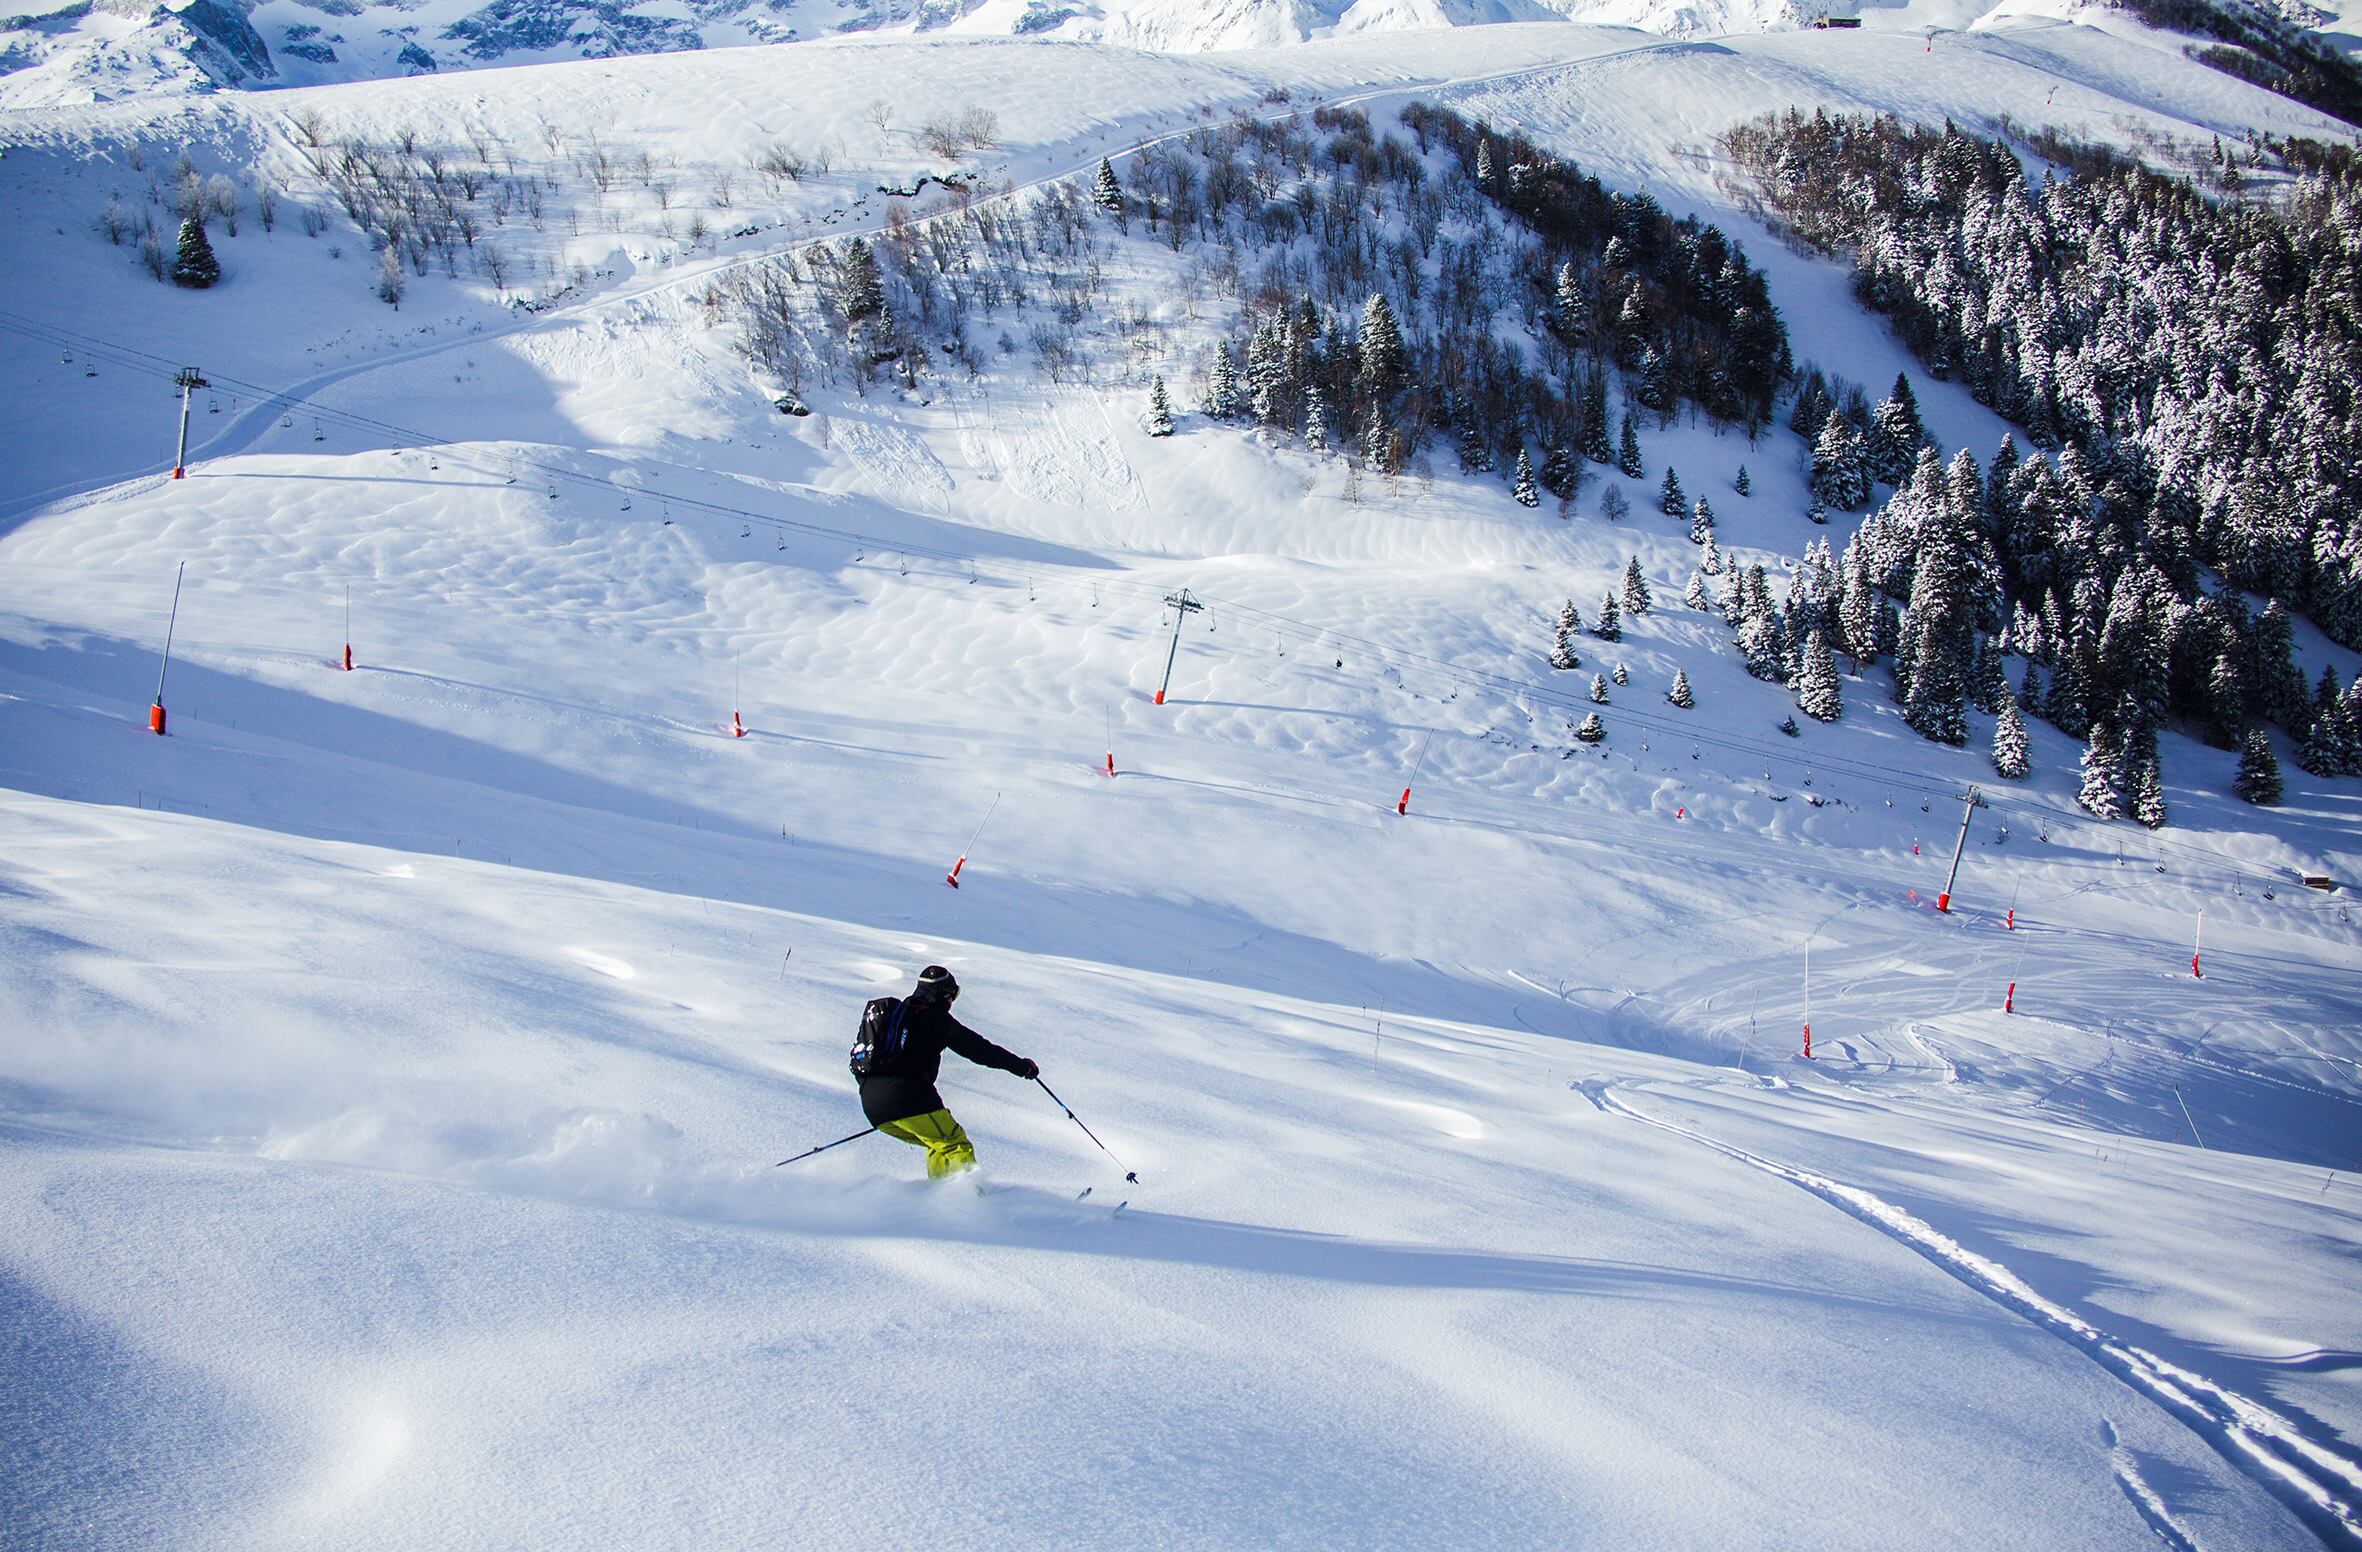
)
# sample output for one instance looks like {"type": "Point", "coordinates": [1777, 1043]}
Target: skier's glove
{"type": "Point", "coordinates": [1028, 1070]}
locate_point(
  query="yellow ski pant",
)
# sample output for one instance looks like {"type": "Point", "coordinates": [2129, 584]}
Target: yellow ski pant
{"type": "Point", "coordinates": [948, 1149]}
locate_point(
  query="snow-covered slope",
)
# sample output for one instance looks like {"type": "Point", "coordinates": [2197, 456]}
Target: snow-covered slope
{"type": "Point", "coordinates": [397, 1059]}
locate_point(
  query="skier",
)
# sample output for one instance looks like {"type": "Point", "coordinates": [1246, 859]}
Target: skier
{"type": "Point", "coordinates": [900, 1046]}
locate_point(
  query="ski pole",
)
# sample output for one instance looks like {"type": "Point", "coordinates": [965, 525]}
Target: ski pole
{"type": "Point", "coordinates": [1087, 1132]}
{"type": "Point", "coordinates": [824, 1147]}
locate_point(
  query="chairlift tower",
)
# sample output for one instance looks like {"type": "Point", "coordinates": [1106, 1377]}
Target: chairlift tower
{"type": "Point", "coordinates": [187, 382]}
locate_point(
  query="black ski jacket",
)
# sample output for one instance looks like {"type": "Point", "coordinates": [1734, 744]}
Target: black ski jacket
{"type": "Point", "coordinates": [908, 1088]}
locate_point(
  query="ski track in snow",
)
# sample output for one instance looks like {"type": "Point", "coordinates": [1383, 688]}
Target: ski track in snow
{"type": "Point", "coordinates": [2320, 1482]}
{"type": "Point", "coordinates": [2144, 1499]}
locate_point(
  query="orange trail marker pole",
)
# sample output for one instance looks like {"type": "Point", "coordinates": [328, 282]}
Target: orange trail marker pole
{"type": "Point", "coordinates": [1403, 804]}
{"type": "Point", "coordinates": [953, 877]}
{"type": "Point", "coordinates": [1808, 999]}
{"type": "Point", "coordinates": [156, 711]}
{"type": "Point", "coordinates": [2197, 942]}
{"type": "Point", "coordinates": [348, 629]}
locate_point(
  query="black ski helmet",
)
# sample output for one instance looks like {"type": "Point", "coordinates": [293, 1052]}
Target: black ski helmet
{"type": "Point", "coordinates": [936, 984]}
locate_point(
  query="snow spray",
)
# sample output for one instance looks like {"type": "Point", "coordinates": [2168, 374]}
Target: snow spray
{"type": "Point", "coordinates": [953, 877]}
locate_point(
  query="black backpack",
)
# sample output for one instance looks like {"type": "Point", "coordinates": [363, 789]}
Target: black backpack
{"type": "Point", "coordinates": [877, 1044]}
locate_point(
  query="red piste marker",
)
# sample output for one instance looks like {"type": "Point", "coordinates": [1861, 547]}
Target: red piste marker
{"type": "Point", "coordinates": [953, 877]}
{"type": "Point", "coordinates": [2009, 998]}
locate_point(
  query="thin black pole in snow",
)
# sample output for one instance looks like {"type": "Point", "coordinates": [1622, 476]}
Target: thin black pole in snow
{"type": "Point", "coordinates": [824, 1147]}
{"type": "Point", "coordinates": [1087, 1132]}
{"type": "Point", "coordinates": [156, 711]}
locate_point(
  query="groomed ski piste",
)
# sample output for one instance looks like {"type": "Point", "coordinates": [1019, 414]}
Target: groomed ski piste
{"type": "Point", "coordinates": [396, 1059]}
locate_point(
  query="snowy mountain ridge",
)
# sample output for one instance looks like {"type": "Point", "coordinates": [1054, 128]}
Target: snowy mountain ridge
{"type": "Point", "coordinates": [103, 50]}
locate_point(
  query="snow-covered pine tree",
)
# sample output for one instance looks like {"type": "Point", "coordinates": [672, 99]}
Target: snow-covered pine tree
{"type": "Point", "coordinates": [2103, 772]}
{"type": "Point", "coordinates": [1562, 650]}
{"type": "Point", "coordinates": [1760, 646]}
{"type": "Point", "coordinates": [1590, 730]}
{"type": "Point", "coordinates": [1106, 193]}
{"type": "Point", "coordinates": [1680, 695]}
{"type": "Point", "coordinates": [1485, 177]}
{"type": "Point", "coordinates": [1817, 693]}
{"type": "Point", "coordinates": [1379, 445]}
{"type": "Point", "coordinates": [1637, 597]}
{"type": "Point", "coordinates": [1610, 624]}
{"type": "Point", "coordinates": [1694, 596]}
{"type": "Point", "coordinates": [1656, 389]}
{"type": "Point", "coordinates": [1815, 512]}
{"type": "Point", "coordinates": [1711, 562]}
{"type": "Point", "coordinates": [2148, 796]}
{"type": "Point", "coordinates": [1988, 686]}
{"type": "Point", "coordinates": [1599, 689]}
{"type": "Point", "coordinates": [193, 264]}
{"type": "Point", "coordinates": [1222, 400]}
{"type": "Point", "coordinates": [1628, 461]}
{"type": "Point", "coordinates": [1522, 491]}
{"type": "Point", "coordinates": [1701, 521]}
{"type": "Point", "coordinates": [2030, 690]}
{"type": "Point", "coordinates": [2011, 749]}
{"type": "Point", "coordinates": [1160, 409]}
{"type": "Point", "coordinates": [2316, 747]}
{"type": "Point", "coordinates": [1572, 315]}
{"type": "Point", "coordinates": [1620, 674]}
{"type": "Point", "coordinates": [859, 292]}
{"type": "Point", "coordinates": [1476, 447]}
{"type": "Point", "coordinates": [2068, 701]}
{"type": "Point", "coordinates": [2227, 716]}
{"type": "Point", "coordinates": [1895, 435]}
{"type": "Point", "coordinates": [1316, 418]}
{"type": "Point", "coordinates": [1840, 469]}
{"type": "Point", "coordinates": [1558, 472]}
{"type": "Point", "coordinates": [2258, 780]}
{"type": "Point", "coordinates": [1741, 483]}
{"type": "Point", "coordinates": [2344, 742]}
{"type": "Point", "coordinates": [1595, 445]}
{"type": "Point", "coordinates": [1379, 349]}
{"type": "Point", "coordinates": [1670, 500]}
